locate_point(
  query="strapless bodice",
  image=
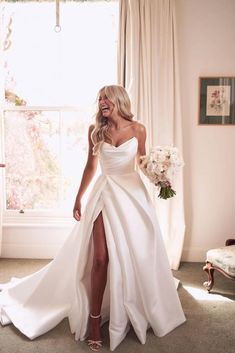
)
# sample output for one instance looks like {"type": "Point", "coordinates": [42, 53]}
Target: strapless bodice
{"type": "Point", "coordinates": [118, 160]}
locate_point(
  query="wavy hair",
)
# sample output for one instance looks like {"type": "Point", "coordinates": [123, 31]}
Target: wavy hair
{"type": "Point", "coordinates": [119, 97]}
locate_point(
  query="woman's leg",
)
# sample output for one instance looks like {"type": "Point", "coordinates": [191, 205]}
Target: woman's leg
{"type": "Point", "coordinates": [98, 275]}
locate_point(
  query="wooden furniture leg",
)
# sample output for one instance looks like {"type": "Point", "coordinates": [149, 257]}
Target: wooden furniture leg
{"type": "Point", "coordinates": [210, 272]}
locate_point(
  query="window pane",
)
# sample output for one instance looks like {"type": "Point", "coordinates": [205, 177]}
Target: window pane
{"type": "Point", "coordinates": [67, 68]}
{"type": "Point", "coordinates": [45, 156]}
{"type": "Point", "coordinates": [32, 148]}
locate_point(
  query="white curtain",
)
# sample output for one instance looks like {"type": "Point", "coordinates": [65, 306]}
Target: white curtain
{"type": "Point", "coordinates": [147, 63]}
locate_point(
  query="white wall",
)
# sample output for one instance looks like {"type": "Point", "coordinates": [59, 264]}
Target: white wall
{"type": "Point", "coordinates": [206, 44]}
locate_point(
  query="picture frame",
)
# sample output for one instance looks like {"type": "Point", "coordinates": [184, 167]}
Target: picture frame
{"type": "Point", "coordinates": [217, 100]}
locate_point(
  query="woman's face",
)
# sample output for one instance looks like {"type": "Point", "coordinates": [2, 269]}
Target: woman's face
{"type": "Point", "coordinates": [105, 105]}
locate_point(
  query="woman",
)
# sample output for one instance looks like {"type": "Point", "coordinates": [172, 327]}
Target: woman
{"type": "Point", "coordinates": [113, 265]}
{"type": "Point", "coordinates": [114, 126]}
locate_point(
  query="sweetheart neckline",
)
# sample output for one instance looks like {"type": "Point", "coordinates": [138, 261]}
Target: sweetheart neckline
{"type": "Point", "coordinates": [121, 143]}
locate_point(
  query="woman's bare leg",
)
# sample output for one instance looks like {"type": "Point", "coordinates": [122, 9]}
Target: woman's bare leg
{"type": "Point", "coordinates": [98, 275]}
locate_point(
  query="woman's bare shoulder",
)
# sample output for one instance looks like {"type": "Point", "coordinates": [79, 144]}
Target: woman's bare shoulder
{"type": "Point", "coordinates": [139, 127]}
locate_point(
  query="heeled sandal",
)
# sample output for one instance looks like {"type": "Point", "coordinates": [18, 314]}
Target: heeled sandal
{"type": "Point", "coordinates": [93, 344]}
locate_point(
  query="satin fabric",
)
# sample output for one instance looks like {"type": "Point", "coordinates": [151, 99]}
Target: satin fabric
{"type": "Point", "coordinates": [140, 290]}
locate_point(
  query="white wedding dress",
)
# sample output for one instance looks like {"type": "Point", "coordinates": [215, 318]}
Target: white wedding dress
{"type": "Point", "coordinates": [140, 290]}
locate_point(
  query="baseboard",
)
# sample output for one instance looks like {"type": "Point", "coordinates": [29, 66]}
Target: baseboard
{"type": "Point", "coordinates": [48, 251]}
{"type": "Point", "coordinates": [30, 251]}
{"type": "Point", "coordinates": [194, 254]}
{"type": "Point", "coordinates": [43, 242]}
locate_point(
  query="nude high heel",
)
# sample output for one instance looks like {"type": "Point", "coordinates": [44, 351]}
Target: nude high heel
{"type": "Point", "coordinates": [95, 346]}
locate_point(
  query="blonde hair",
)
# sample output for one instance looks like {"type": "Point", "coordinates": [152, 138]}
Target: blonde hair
{"type": "Point", "coordinates": [119, 97]}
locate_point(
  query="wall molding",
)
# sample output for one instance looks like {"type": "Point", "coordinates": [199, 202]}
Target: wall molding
{"type": "Point", "coordinates": [33, 241]}
{"type": "Point", "coordinates": [40, 241]}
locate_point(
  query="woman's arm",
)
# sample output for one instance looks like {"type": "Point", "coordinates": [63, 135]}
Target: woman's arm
{"type": "Point", "coordinates": [141, 135]}
{"type": "Point", "coordinates": [88, 173]}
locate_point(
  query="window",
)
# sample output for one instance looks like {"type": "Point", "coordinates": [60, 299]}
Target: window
{"type": "Point", "coordinates": [51, 83]}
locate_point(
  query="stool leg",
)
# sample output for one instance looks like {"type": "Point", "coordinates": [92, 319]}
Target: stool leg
{"type": "Point", "coordinates": [210, 272]}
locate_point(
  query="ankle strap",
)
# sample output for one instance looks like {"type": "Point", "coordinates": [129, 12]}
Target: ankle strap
{"type": "Point", "coordinates": [95, 316]}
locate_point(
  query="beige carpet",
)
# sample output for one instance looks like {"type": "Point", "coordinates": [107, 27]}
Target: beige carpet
{"type": "Point", "coordinates": [209, 327]}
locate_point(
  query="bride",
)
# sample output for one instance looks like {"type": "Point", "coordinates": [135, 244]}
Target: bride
{"type": "Point", "coordinates": [113, 266]}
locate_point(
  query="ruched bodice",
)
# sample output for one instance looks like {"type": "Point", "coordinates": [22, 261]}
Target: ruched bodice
{"type": "Point", "coordinates": [118, 160]}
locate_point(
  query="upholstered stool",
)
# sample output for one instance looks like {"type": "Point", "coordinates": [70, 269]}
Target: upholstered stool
{"type": "Point", "coordinates": [221, 259]}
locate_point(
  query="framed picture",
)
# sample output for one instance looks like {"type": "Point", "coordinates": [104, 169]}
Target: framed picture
{"type": "Point", "coordinates": [217, 100]}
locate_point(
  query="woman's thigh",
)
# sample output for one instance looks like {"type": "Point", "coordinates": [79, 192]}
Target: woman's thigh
{"type": "Point", "coordinates": [99, 239]}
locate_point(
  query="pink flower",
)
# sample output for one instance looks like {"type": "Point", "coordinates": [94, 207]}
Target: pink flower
{"type": "Point", "coordinates": [215, 94]}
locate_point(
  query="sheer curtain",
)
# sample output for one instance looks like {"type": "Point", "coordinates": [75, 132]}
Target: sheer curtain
{"type": "Point", "coordinates": [147, 63]}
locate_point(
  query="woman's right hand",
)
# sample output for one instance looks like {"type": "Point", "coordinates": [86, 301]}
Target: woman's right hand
{"type": "Point", "coordinates": [77, 210]}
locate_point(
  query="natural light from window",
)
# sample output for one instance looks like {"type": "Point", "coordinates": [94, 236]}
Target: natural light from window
{"type": "Point", "coordinates": [51, 84]}
{"type": "Point", "coordinates": [202, 294]}
{"type": "Point", "coordinates": [65, 68]}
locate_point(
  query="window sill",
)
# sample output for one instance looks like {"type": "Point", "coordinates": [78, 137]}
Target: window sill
{"type": "Point", "coordinates": [37, 221]}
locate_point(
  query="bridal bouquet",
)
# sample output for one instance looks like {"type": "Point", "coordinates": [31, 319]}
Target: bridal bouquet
{"type": "Point", "coordinates": [159, 166]}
